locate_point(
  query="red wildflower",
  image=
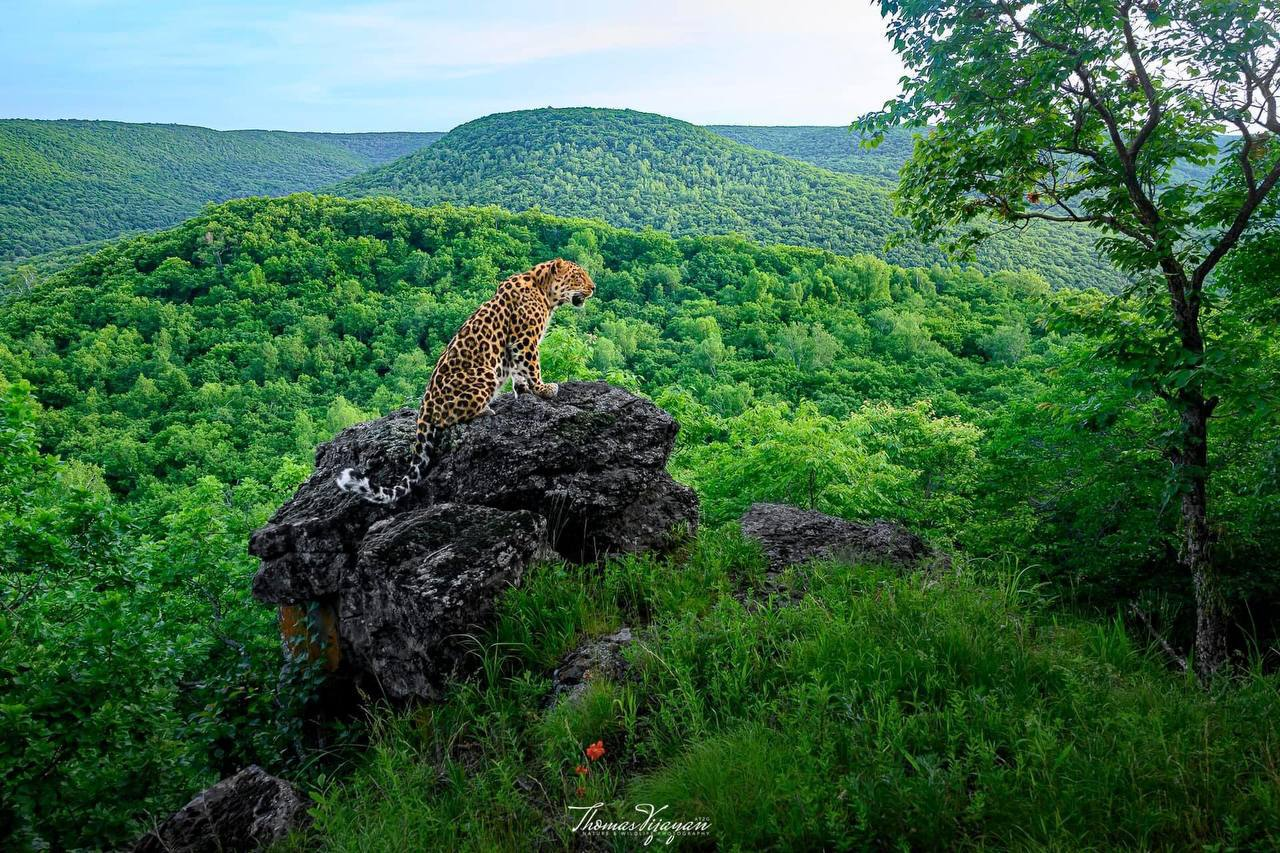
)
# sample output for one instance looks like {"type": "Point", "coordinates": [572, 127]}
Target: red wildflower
{"type": "Point", "coordinates": [582, 792]}
{"type": "Point", "coordinates": [596, 750]}
{"type": "Point", "coordinates": [581, 771]}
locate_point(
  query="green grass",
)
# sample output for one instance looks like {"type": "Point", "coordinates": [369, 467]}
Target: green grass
{"type": "Point", "coordinates": [878, 710]}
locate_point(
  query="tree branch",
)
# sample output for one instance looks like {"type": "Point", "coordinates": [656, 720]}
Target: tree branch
{"type": "Point", "coordinates": [1169, 650]}
{"type": "Point", "coordinates": [1148, 90]}
{"type": "Point", "coordinates": [1233, 234]}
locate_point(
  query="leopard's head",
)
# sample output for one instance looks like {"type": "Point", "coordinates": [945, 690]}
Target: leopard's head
{"type": "Point", "coordinates": [564, 281]}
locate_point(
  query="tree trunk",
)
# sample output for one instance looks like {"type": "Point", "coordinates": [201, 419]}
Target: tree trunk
{"type": "Point", "coordinates": [1193, 474]}
{"type": "Point", "coordinates": [1191, 471]}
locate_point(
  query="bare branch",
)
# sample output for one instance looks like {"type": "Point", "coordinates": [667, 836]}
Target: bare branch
{"type": "Point", "coordinates": [1178, 660]}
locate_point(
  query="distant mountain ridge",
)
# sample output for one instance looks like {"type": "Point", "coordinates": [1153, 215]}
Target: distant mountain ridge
{"type": "Point", "coordinates": [637, 170]}
{"type": "Point", "coordinates": [839, 149]}
{"type": "Point", "coordinates": [834, 148]}
{"type": "Point", "coordinates": [67, 182]}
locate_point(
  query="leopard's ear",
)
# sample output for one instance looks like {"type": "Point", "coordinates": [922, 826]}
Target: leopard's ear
{"type": "Point", "coordinates": [541, 272]}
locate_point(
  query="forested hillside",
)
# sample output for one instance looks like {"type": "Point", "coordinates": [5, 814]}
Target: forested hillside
{"type": "Point", "coordinates": [160, 397]}
{"type": "Point", "coordinates": [834, 148]}
{"type": "Point", "coordinates": [642, 170]}
{"type": "Point", "coordinates": [838, 149]}
{"type": "Point", "coordinates": [63, 183]}
{"type": "Point", "coordinates": [373, 149]}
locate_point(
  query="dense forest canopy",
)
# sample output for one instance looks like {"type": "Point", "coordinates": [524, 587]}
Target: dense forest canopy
{"type": "Point", "coordinates": [834, 148]}
{"type": "Point", "coordinates": [163, 394]}
{"type": "Point", "coordinates": [642, 170]}
{"type": "Point", "coordinates": [63, 183]}
{"type": "Point", "coordinates": [840, 149]}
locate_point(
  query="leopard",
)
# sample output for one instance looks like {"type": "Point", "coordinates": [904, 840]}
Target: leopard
{"type": "Point", "coordinates": [498, 342]}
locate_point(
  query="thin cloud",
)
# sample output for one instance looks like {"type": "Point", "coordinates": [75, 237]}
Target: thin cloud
{"type": "Point", "coordinates": [390, 44]}
{"type": "Point", "coordinates": [322, 64]}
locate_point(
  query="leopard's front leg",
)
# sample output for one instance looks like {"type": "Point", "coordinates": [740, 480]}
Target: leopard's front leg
{"type": "Point", "coordinates": [527, 372]}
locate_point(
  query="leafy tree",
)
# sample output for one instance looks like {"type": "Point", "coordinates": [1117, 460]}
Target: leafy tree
{"type": "Point", "coordinates": [1079, 112]}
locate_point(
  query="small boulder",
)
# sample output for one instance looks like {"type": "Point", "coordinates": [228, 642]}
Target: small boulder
{"type": "Point", "coordinates": [599, 657]}
{"type": "Point", "coordinates": [251, 810]}
{"type": "Point", "coordinates": [790, 536]}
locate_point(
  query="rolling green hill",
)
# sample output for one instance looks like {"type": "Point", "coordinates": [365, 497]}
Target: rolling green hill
{"type": "Point", "coordinates": [63, 183]}
{"type": "Point", "coordinates": [642, 170]}
{"type": "Point", "coordinates": [834, 148]}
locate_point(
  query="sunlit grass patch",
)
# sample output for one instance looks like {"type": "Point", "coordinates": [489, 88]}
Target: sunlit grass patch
{"type": "Point", "coordinates": [875, 709]}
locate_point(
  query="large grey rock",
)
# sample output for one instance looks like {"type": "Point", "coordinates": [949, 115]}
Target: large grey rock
{"type": "Point", "coordinates": [249, 811]}
{"type": "Point", "coordinates": [790, 535]}
{"type": "Point", "coordinates": [582, 476]}
{"type": "Point", "coordinates": [591, 462]}
{"type": "Point", "coordinates": [424, 580]}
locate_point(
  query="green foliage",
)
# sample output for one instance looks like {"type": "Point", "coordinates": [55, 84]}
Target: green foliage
{"type": "Point", "coordinates": [1036, 118]}
{"type": "Point", "coordinates": [877, 710]}
{"type": "Point", "coordinates": [134, 668]}
{"type": "Point", "coordinates": [64, 183]}
{"type": "Point", "coordinates": [189, 375]}
{"type": "Point", "coordinates": [841, 149]}
{"type": "Point", "coordinates": [836, 148]}
{"type": "Point", "coordinates": [1082, 113]}
{"type": "Point", "coordinates": [248, 335]}
{"type": "Point", "coordinates": [641, 170]}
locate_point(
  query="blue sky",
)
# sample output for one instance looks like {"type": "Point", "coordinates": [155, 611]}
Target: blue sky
{"type": "Point", "coordinates": [397, 65]}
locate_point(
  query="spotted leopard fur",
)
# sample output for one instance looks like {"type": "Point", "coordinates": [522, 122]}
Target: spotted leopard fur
{"type": "Point", "coordinates": [498, 342]}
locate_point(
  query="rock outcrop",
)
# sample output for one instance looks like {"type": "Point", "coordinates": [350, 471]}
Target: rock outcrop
{"type": "Point", "coordinates": [599, 657]}
{"type": "Point", "coordinates": [582, 476]}
{"type": "Point", "coordinates": [790, 536]}
{"type": "Point", "coordinates": [251, 810]}
{"type": "Point", "coordinates": [425, 579]}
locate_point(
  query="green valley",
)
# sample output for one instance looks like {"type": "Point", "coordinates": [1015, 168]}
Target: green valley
{"type": "Point", "coordinates": [162, 395]}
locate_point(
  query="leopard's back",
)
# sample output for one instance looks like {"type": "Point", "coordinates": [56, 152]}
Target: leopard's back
{"type": "Point", "coordinates": [498, 341]}
{"type": "Point", "coordinates": [469, 371]}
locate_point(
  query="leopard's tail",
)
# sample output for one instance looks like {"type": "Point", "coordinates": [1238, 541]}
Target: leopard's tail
{"type": "Point", "coordinates": [422, 457]}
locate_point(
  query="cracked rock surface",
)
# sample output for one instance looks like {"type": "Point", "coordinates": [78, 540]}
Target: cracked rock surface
{"type": "Point", "coordinates": [579, 477]}
{"type": "Point", "coordinates": [791, 536]}
{"type": "Point", "coordinates": [248, 811]}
